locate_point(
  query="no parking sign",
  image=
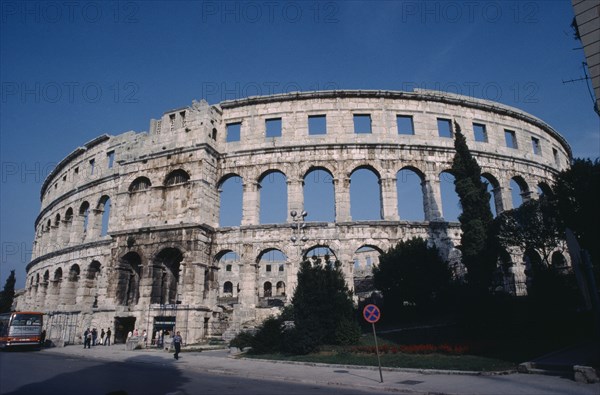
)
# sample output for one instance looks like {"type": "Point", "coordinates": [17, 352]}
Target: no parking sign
{"type": "Point", "coordinates": [371, 313]}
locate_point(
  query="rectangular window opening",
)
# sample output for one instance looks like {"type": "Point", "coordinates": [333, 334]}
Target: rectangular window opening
{"type": "Point", "coordinates": [405, 124]}
{"type": "Point", "coordinates": [535, 145]}
{"type": "Point", "coordinates": [362, 123]}
{"type": "Point", "coordinates": [317, 124]}
{"type": "Point", "coordinates": [92, 166]}
{"type": "Point", "coordinates": [480, 132]}
{"type": "Point", "coordinates": [273, 127]}
{"type": "Point", "coordinates": [555, 156]}
{"type": "Point", "coordinates": [511, 138]}
{"type": "Point", "coordinates": [234, 131]}
{"type": "Point", "coordinates": [111, 159]}
{"type": "Point", "coordinates": [268, 268]}
{"type": "Point", "coordinates": [445, 128]}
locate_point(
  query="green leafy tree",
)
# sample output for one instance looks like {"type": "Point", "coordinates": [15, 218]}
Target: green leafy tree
{"type": "Point", "coordinates": [576, 191]}
{"type": "Point", "coordinates": [411, 272]}
{"type": "Point", "coordinates": [476, 245]}
{"type": "Point", "coordinates": [322, 308]}
{"type": "Point", "coordinates": [7, 295]}
{"type": "Point", "coordinates": [534, 226]}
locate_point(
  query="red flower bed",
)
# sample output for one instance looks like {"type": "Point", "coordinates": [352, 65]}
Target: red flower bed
{"type": "Point", "coordinates": [452, 349]}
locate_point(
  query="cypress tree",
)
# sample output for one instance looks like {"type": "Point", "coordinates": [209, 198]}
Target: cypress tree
{"type": "Point", "coordinates": [8, 293]}
{"type": "Point", "coordinates": [475, 221]}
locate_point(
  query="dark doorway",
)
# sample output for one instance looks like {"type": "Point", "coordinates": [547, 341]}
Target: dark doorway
{"type": "Point", "coordinates": [163, 327]}
{"type": "Point", "coordinates": [123, 325]}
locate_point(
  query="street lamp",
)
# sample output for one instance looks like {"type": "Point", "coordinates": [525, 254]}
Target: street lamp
{"type": "Point", "coordinates": [298, 226]}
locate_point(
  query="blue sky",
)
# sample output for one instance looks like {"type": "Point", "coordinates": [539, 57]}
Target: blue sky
{"type": "Point", "coordinates": [71, 71]}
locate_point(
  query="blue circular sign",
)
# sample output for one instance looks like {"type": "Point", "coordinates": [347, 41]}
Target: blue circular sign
{"type": "Point", "coordinates": [371, 313]}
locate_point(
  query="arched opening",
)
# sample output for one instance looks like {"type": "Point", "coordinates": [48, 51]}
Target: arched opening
{"type": "Point", "coordinates": [74, 273]}
{"type": "Point", "coordinates": [559, 262]}
{"type": "Point", "coordinates": [93, 271]}
{"type": "Point", "coordinates": [58, 275]}
{"type": "Point", "coordinates": [228, 263]}
{"type": "Point", "coordinates": [230, 200]}
{"type": "Point", "coordinates": [451, 209]}
{"type": "Point", "coordinates": [519, 191]}
{"type": "Point", "coordinates": [129, 272]}
{"type": "Point", "coordinates": [365, 195]}
{"type": "Point", "coordinates": [227, 289]}
{"type": "Point", "coordinates": [322, 254]}
{"type": "Point", "coordinates": [84, 212]}
{"type": "Point", "coordinates": [177, 177]}
{"type": "Point", "coordinates": [493, 188]}
{"type": "Point", "coordinates": [104, 208]}
{"type": "Point", "coordinates": [267, 289]}
{"type": "Point", "coordinates": [273, 197]}
{"type": "Point", "coordinates": [280, 289]}
{"type": "Point", "coordinates": [410, 195]}
{"type": "Point", "coordinates": [319, 195]}
{"type": "Point", "coordinates": [166, 276]}
{"type": "Point", "coordinates": [544, 189]}
{"type": "Point", "coordinates": [140, 184]}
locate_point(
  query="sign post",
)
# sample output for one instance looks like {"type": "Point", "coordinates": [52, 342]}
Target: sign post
{"type": "Point", "coordinates": [372, 314]}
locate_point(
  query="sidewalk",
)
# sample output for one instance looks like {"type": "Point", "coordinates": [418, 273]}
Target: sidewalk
{"type": "Point", "coordinates": [367, 378]}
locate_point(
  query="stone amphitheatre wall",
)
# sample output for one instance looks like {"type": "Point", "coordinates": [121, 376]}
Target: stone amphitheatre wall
{"type": "Point", "coordinates": [128, 234]}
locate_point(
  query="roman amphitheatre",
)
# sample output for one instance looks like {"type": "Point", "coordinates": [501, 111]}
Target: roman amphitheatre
{"type": "Point", "coordinates": [130, 231]}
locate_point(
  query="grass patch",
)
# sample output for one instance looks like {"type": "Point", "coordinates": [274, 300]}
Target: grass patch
{"type": "Point", "coordinates": [354, 355]}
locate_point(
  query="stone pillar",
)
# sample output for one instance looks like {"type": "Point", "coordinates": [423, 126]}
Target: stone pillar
{"type": "Point", "coordinates": [497, 193]}
{"type": "Point", "coordinates": [251, 203]}
{"type": "Point", "coordinates": [95, 224]}
{"type": "Point", "coordinates": [295, 195]}
{"type": "Point", "coordinates": [389, 198]}
{"type": "Point", "coordinates": [342, 199]}
{"type": "Point", "coordinates": [78, 233]}
{"type": "Point", "coordinates": [505, 192]}
{"type": "Point", "coordinates": [432, 198]}
{"type": "Point", "coordinates": [66, 233]}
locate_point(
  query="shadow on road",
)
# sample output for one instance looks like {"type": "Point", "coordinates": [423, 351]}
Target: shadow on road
{"type": "Point", "coordinates": [145, 374]}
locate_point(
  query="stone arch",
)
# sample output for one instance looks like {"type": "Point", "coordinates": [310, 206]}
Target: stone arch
{"type": "Point", "coordinates": [319, 197]}
{"type": "Point", "coordinates": [231, 194]}
{"type": "Point", "coordinates": [451, 209]}
{"type": "Point", "coordinates": [519, 191]}
{"type": "Point", "coordinates": [93, 270]}
{"type": "Point", "coordinates": [493, 187]}
{"type": "Point", "coordinates": [176, 177]}
{"type": "Point", "coordinates": [319, 251]}
{"type": "Point", "coordinates": [272, 194]}
{"type": "Point", "coordinates": [228, 263]}
{"type": "Point", "coordinates": [559, 262]}
{"type": "Point", "coordinates": [140, 184]}
{"type": "Point", "coordinates": [280, 288]}
{"type": "Point", "coordinates": [227, 289]}
{"type": "Point", "coordinates": [543, 189]}
{"type": "Point", "coordinates": [129, 272]}
{"type": "Point", "coordinates": [165, 276]}
{"type": "Point", "coordinates": [267, 289]}
{"type": "Point", "coordinates": [411, 193]}
{"type": "Point", "coordinates": [365, 181]}
{"type": "Point", "coordinates": [103, 209]}
{"type": "Point", "coordinates": [84, 213]}
{"type": "Point", "coordinates": [74, 273]}
{"type": "Point", "coordinates": [365, 258]}
{"type": "Point", "coordinates": [58, 274]}
{"type": "Point", "coordinates": [57, 220]}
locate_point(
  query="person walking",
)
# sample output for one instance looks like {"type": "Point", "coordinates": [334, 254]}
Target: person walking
{"type": "Point", "coordinates": [102, 334]}
{"type": "Point", "coordinates": [177, 344]}
{"type": "Point", "coordinates": [94, 336]}
{"type": "Point", "coordinates": [107, 340]}
{"type": "Point", "coordinates": [87, 338]}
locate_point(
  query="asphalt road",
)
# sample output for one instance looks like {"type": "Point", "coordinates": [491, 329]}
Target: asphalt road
{"type": "Point", "coordinates": [35, 373]}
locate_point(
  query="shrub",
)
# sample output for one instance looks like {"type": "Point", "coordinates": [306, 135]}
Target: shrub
{"type": "Point", "coordinates": [242, 340]}
{"type": "Point", "coordinates": [347, 332]}
{"type": "Point", "coordinates": [268, 338]}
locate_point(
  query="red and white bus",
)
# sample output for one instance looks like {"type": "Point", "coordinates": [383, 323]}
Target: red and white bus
{"type": "Point", "coordinates": [21, 328]}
